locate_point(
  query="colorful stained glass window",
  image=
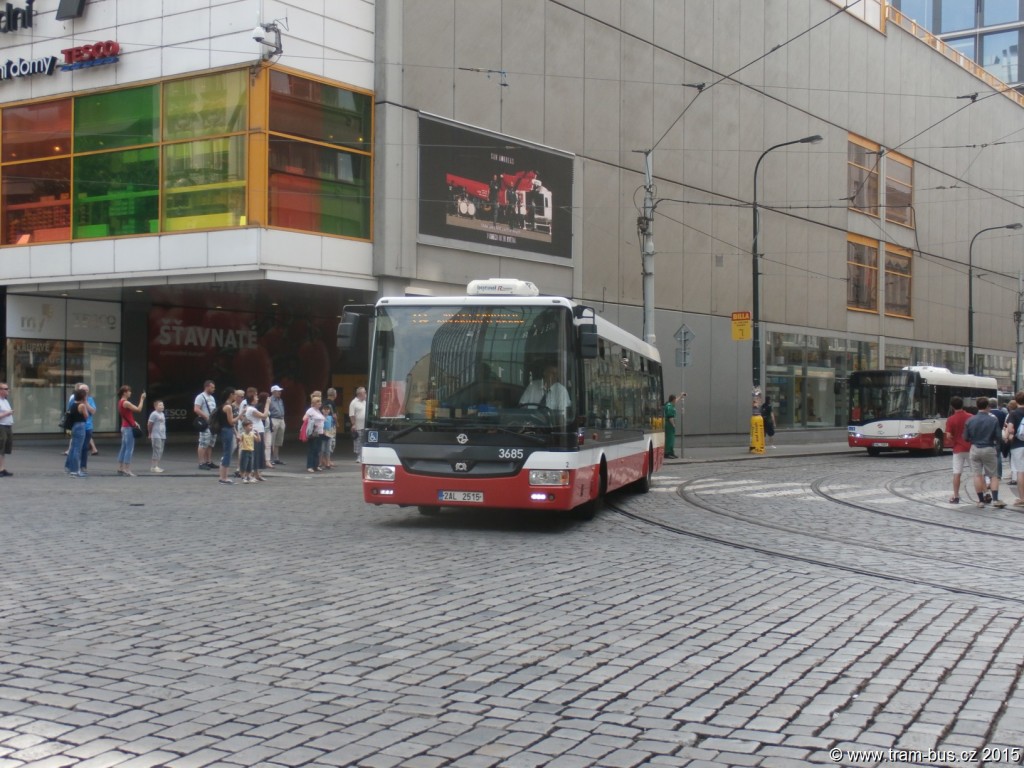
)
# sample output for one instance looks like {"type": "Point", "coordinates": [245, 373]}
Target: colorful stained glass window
{"type": "Point", "coordinates": [321, 112]}
{"type": "Point", "coordinates": [204, 184]}
{"type": "Point", "coordinates": [116, 193]}
{"type": "Point", "coordinates": [206, 106]}
{"type": "Point", "coordinates": [115, 119]}
{"type": "Point", "coordinates": [35, 131]}
{"type": "Point", "coordinates": [36, 202]}
{"type": "Point", "coordinates": [318, 189]}
{"type": "Point", "coordinates": [173, 156]}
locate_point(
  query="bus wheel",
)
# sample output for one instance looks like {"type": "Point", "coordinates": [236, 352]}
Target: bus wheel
{"type": "Point", "coordinates": [873, 451]}
{"type": "Point", "coordinates": [428, 510]}
{"type": "Point", "coordinates": [937, 445]}
{"type": "Point", "coordinates": [643, 485]}
{"type": "Point", "coordinates": [591, 508]}
{"type": "Point", "coordinates": [584, 512]}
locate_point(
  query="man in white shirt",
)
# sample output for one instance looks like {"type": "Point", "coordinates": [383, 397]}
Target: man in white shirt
{"type": "Point", "coordinates": [547, 391]}
{"type": "Point", "coordinates": [357, 416]}
{"type": "Point", "coordinates": [204, 406]}
{"type": "Point", "coordinates": [6, 427]}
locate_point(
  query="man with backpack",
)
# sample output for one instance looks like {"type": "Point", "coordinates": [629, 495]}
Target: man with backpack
{"type": "Point", "coordinates": [1014, 423]}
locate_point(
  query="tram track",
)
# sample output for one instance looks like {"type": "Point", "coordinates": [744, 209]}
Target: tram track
{"type": "Point", "coordinates": [891, 489]}
{"type": "Point", "coordinates": [960, 575]}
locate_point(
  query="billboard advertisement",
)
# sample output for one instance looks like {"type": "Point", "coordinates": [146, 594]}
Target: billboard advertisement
{"type": "Point", "coordinates": [488, 189]}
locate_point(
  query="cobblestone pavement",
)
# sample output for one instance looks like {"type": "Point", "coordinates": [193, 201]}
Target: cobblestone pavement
{"type": "Point", "coordinates": [169, 621]}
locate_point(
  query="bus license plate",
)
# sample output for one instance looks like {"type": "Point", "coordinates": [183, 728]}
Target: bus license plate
{"type": "Point", "coordinates": [879, 445]}
{"type": "Point", "coordinates": [464, 496]}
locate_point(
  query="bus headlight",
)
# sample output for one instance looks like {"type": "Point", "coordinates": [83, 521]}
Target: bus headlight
{"type": "Point", "coordinates": [549, 477]}
{"type": "Point", "coordinates": [379, 472]}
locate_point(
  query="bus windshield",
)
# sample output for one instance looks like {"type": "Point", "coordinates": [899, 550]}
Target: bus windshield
{"type": "Point", "coordinates": [487, 365]}
{"type": "Point", "coordinates": [883, 395]}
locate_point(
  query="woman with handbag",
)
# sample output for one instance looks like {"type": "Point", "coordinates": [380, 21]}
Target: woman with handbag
{"type": "Point", "coordinates": [314, 421]}
{"type": "Point", "coordinates": [77, 416]}
{"type": "Point", "coordinates": [130, 429]}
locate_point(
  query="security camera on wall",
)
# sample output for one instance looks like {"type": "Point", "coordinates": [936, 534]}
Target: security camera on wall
{"type": "Point", "coordinates": [269, 35]}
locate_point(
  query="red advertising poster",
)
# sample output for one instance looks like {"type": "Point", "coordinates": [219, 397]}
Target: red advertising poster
{"type": "Point", "coordinates": [237, 349]}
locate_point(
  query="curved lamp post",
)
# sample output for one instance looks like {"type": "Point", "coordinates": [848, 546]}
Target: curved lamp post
{"type": "Point", "coordinates": [755, 267]}
{"type": "Point", "coordinates": [970, 292]}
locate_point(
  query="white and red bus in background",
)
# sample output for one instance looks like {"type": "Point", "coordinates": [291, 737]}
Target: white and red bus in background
{"type": "Point", "coordinates": [447, 419]}
{"type": "Point", "coordinates": [906, 409]}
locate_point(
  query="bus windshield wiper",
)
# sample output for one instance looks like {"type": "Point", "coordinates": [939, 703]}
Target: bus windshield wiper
{"type": "Point", "coordinates": [505, 430]}
{"type": "Point", "coordinates": [403, 432]}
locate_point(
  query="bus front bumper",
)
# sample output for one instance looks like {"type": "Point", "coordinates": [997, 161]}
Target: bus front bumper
{"type": "Point", "coordinates": [559, 491]}
{"type": "Point", "coordinates": [901, 443]}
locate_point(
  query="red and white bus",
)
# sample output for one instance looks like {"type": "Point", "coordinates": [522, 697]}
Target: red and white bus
{"type": "Point", "coordinates": [907, 409]}
{"type": "Point", "coordinates": [503, 398]}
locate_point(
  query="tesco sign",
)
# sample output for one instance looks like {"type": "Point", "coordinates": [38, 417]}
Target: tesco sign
{"type": "Point", "coordinates": [93, 55]}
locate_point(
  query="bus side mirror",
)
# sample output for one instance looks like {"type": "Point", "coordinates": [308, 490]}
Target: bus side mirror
{"type": "Point", "coordinates": [349, 331]}
{"type": "Point", "coordinates": [588, 341]}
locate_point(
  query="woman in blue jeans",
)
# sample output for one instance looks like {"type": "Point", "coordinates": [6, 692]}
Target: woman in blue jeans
{"type": "Point", "coordinates": [126, 409]}
{"type": "Point", "coordinates": [78, 414]}
{"type": "Point", "coordinates": [314, 434]}
{"type": "Point", "coordinates": [223, 422]}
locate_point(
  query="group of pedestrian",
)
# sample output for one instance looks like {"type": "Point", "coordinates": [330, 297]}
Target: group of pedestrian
{"type": "Point", "coordinates": [979, 440]}
{"type": "Point", "coordinates": [253, 423]}
{"type": "Point", "coordinates": [247, 421]}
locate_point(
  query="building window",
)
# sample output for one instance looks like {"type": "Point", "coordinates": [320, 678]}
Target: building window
{"type": "Point", "coordinates": [204, 184]}
{"type": "Point", "coordinates": [319, 112]}
{"type": "Point", "coordinates": [319, 157]}
{"type": "Point", "coordinates": [999, 52]}
{"type": "Point", "coordinates": [899, 187]}
{"type": "Point", "coordinates": [999, 12]}
{"type": "Point", "coordinates": [174, 156]}
{"type": "Point", "coordinates": [964, 46]}
{"type": "Point", "coordinates": [897, 281]}
{"type": "Point", "coordinates": [117, 119]}
{"type": "Point", "coordinates": [37, 131]}
{"type": "Point", "coordinates": [921, 11]}
{"type": "Point", "coordinates": [318, 189]}
{"type": "Point", "coordinates": [862, 177]}
{"type": "Point", "coordinates": [36, 202]}
{"type": "Point", "coordinates": [116, 193]}
{"type": "Point", "coordinates": [206, 106]}
{"type": "Point", "coordinates": [862, 274]}
{"type": "Point", "coordinates": [955, 15]}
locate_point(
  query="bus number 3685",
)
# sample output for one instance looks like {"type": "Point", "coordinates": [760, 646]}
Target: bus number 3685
{"type": "Point", "coordinates": [510, 453]}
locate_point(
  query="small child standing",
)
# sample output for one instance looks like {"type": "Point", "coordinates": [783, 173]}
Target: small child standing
{"type": "Point", "coordinates": [157, 427]}
{"type": "Point", "coordinates": [247, 453]}
{"type": "Point", "coordinates": [330, 433]}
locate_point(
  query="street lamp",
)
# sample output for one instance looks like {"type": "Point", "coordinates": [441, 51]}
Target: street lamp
{"type": "Point", "coordinates": [970, 292]}
{"type": "Point", "coordinates": [756, 313]}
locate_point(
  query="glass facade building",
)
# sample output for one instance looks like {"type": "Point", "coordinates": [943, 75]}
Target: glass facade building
{"type": "Point", "coordinates": [180, 155]}
{"type": "Point", "coordinates": [213, 151]}
{"type": "Point", "coordinates": [986, 31]}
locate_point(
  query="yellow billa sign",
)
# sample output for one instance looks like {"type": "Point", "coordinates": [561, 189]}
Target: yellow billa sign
{"type": "Point", "coordinates": [742, 327]}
